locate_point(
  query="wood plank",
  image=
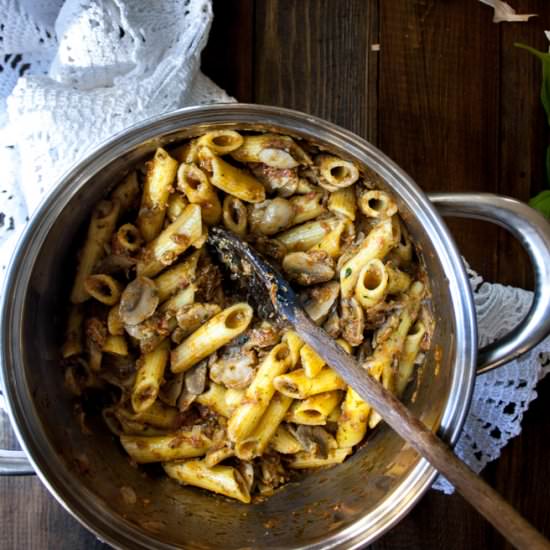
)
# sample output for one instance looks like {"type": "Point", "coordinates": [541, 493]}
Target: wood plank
{"type": "Point", "coordinates": [438, 104]}
{"type": "Point", "coordinates": [523, 130]}
{"type": "Point", "coordinates": [228, 57]}
{"type": "Point", "coordinates": [314, 56]}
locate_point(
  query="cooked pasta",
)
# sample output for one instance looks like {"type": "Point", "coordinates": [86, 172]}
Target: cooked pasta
{"type": "Point", "coordinates": [191, 375]}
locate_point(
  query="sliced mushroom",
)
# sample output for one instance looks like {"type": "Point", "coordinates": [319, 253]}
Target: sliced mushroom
{"type": "Point", "coordinates": [319, 300]}
{"type": "Point", "coordinates": [309, 268]}
{"type": "Point", "coordinates": [247, 471]}
{"type": "Point", "coordinates": [138, 301]}
{"type": "Point", "coordinates": [271, 248]}
{"type": "Point", "coordinates": [271, 216]}
{"type": "Point", "coordinates": [191, 317]}
{"type": "Point", "coordinates": [332, 325]}
{"type": "Point", "coordinates": [235, 371]}
{"type": "Point", "coordinates": [263, 336]}
{"type": "Point", "coordinates": [283, 181]}
{"type": "Point", "coordinates": [185, 400]}
{"type": "Point", "coordinates": [353, 321]}
{"type": "Point", "coordinates": [314, 439]}
{"type": "Point", "coordinates": [171, 390]}
{"type": "Point", "coordinates": [195, 378]}
{"type": "Point", "coordinates": [114, 263]}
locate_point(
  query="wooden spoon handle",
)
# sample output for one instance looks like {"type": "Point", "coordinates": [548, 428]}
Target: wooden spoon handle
{"type": "Point", "coordinates": [480, 495]}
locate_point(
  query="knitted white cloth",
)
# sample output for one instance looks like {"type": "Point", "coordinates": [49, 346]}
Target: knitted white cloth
{"type": "Point", "coordinates": [74, 73]}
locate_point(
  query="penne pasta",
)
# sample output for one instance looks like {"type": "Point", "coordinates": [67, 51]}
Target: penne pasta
{"type": "Point", "coordinates": [73, 334]}
{"type": "Point", "coordinates": [372, 284]}
{"type": "Point", "coordinates": [294, 343]}
{"type": "Point", "coordinates": [377, 204]}
{"type": "Point", "coordinates": [336, 173]}
{"type": "Point", "coordinates": [284, 442]}
{"type": "Point", "coordinates": [314, 410]}
{"type": "Point", "coordinates": [343, 202]}
{"type": "Point", "coordinates": [258, 394]}
{"type": "Point", "coordinates": [127, 239]}
{"type": "Point", "coordinates": [103, 288]}
{"type": "Point", "coordinates": [161, 172]}
{"type": "Point", "coordinates": [176, 205]}
{"type": "Point", "coordinates": [221, 142]}
{"type": "Point", "coordinates": [256, 442]}
{"type": "Point", "coordinates": [333, 243]}
{"type": "Point", "coordinates": [171, 243]}
{"type": "Point", "coordinates": [178, 445]}
{"type": "Point", "coordinates": [177, 277]}
{"type": "Point", "coordinates": [305, 236]}
{"type": "Point", "coordinates": [193, 182]}
{"type": "Point", "coordinates": [127, 192]}
{"type": "Point", "coordinates": [309, 460]}
{"type": "Point", "coordinates": [297, 385]}
{"type": "Point", "coordinates": [376, 245]}
{"type": "Point", "coordinates": [311, 362]}
{"type": "Point", "coordinates": [149, 377]}
{"type": "Point", "coordinates": [100, 230]}
{"type": "Point", "coordinates": [232, 180]}
{"type": "Point", "coordinates": [115, 345]}
{"type": "Point", "coordinates": [353, 422]}
{"type": "Point", "coordinates": [214, 334]}
{"type": "Point", "coordinates": [224, 480]}
{"type": "Point", "coordinates": [235, 215]}
{"type": "Point", "coordinates": [307, 207]}
{"type": "Point", "coordinates": [411, 349]}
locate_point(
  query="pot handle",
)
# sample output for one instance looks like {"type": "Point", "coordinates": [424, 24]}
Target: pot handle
{"type": "Point", "coordinates": [533, 232]}
{"type": "Point", "coordinates": [13, 463]}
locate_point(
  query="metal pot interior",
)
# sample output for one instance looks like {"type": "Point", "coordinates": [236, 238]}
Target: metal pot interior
{"type": "Point", "coordinates": [345, 506]}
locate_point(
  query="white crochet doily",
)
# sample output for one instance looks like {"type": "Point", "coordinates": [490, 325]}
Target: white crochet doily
{"type": "Point", "coordinates": [73, 73]}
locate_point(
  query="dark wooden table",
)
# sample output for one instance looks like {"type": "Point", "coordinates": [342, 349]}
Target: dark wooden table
{"type": "Point", "coordinates": [447, 96]}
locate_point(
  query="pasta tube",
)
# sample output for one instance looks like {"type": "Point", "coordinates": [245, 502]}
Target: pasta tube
{"type": "Point", "coordinates": [233, 180]}
{"type": "Point", "coordinates": [157, 415]}
{"type": "Point", "coordinates": [126, 193]}
{"type": "Point", "coordinates": [256, 443]}
{"type": "Point", "coordinates": [333, 242]}
{"type": "Point", "coordinates": [305, 459]}
{"type": "Point", "coordinates": [194, 183]}
{"type": "Point", "coordinates": [214, 398]}
{"type": "Point", "coordinates": [377, 204]}
{"type": "Point", "coordinates": [372, 284]}
{"type": "Point", "coordinates": [311, 362]}
{"type": "Point", "coordinates": [224, 480]}
{"type": "Point", "coordinates": [103, 288]}
{"type": "Point", "coordinates": [221, 142]}
{"type": "Point", "coordinates": [314, 410]}
{"type": "Point", "coordinates": [271, 149]}
{"type": "Point", "coordinates": [411, 348]}
{"type": "Point", "coordinates": [161, 172]}
{"type": "Point", "coordinates": [343, 202]}
{"type": "Point", "coordinates": [149, 377]}
{"type": "Point", "coordinates": [214, 334]}
{"type": "Point", "coordinates": [352, 423]}
{"type": "Point", "coordinates": [127, 239]}
{"type": "Point", "coordinates": [116, 345]}
{"type": "Point", "coordinates": [176, 205]}
{"type": "Point", "coordinates": [181, 444]}
{"type": "Point", "coordinates": [398, 281]}
{"type": "Point", "coordinates": [73, 334]}
{"type": "Point", "coordinates": [284, 442]}
{"type": "Point", "coordinates": [100, 230]}
{"type": "Point", "coordinates": [307, 207]}
{"type": "Point", "coordinates": [305, 236]}
{"type": "Point", "coordinates": [376, 245]}
{"type": "Point", "coordinates": [297, 385]}
{"type": "Point", "coordinates": [259, 393]}
{"type": "Point", "coordinates": [336, 173]}
{"type": "Point", "coordinates": [177, 277]}
{"type": "Point", "coordinates": [171, 243]}
{"type": "Point", "coordinates": [294, 343]}
{"type": "Point", "coordinates": [235, 215]}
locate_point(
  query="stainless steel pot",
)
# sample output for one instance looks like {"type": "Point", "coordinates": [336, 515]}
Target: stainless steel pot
{"type": "Point", "coordinates": [344, 507]}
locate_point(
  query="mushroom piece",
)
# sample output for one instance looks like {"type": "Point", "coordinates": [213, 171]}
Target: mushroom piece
{"type": "Point", "coordinates": [171, 390]}
{"type": "Point", "coordinates": [353, 321]}
{"type": "Point", "coordinates": [314, 439]}
{"type": "Point", "coordinates": [138, 301]}
{"type": "Point", "coordinates": [246, 469]}
{"type": "Point", "coordinates": [235, 371]}
{"type": "Point", "coordinates": [318, 300]}
{"type": "Point", "coordinates": [192, 316]}
{"type": "Point", "coordinates": [114, 263]}
{"type": "Point", "coordinates": [332, 325]}
{"type": "Point", "coordinates": [271, 216]}
{"type": "Point", "coordinates": [309, 268]}
{"type": "Point", "coordinates": [283, 181]}
{"type": "Point", "coordinates": [195, 378]}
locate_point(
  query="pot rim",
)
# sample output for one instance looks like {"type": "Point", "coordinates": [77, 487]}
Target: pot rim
{"type": "Point", "coordinates": [18, 273]}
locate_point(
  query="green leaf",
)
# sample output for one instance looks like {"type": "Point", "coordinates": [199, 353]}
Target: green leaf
{"type": "Point", "coordinates": [542, 203]}
{"type": "Point", "coordinates": [545, 89]}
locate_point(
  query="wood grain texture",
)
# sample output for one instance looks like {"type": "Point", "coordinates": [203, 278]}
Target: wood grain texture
{"type": "Point", "coordinates": [450, 100]}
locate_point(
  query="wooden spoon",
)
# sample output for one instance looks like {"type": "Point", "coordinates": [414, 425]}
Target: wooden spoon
{"type": "Point", "coordinates": [260, 279]}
